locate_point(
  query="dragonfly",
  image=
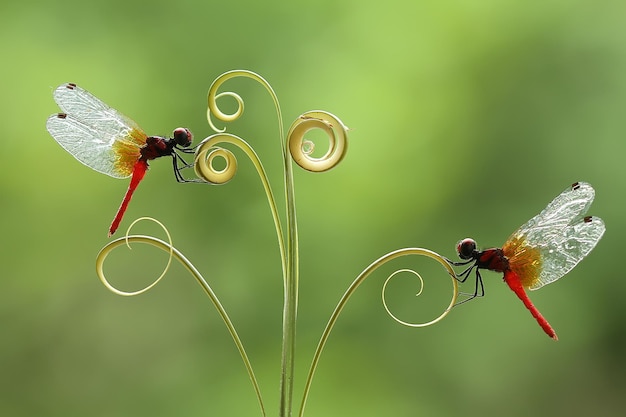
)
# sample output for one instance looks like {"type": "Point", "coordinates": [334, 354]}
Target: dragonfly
{"type": "Point", "coordinates": [111, 143]}
{"type": "Point", "coordinates": [541, 251]}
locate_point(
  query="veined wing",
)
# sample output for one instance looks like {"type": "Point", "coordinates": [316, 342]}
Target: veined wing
{"type": "Point", "coordinates": [95, 134]}
{"type": "Point", "coordinates": [560, 234]}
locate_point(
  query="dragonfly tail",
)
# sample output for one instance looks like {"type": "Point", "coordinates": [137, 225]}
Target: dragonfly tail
{"type": "Point", "coordinates": [513, 281]}
{"type": "Point", "coordinates": [139, 171]}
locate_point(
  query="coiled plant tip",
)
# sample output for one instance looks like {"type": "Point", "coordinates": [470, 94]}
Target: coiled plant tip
{"type": "Point", "coordinates": [301, 149]}
{"type": "Point", "coordinates": [126, 240]}
{"type": "Point", "coordinates": [177, 255]}
{"type": "Point", "coordinates": [367, 272]}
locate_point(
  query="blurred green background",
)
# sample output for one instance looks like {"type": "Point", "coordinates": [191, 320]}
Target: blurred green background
{"type": "Point", "coordinates": [467, 119]}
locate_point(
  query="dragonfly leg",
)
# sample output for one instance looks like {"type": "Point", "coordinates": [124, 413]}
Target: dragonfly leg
{"type": "Point", "coordinates": [177, 170]}
{"type": "Point", "coordinates": [462, 277]}
{"type": "Point", "coordinates": [188, 150]}
{"type": "Point", "coordinates": [479, 289]}
{"type": "Point", "coordinates": [460, 263]}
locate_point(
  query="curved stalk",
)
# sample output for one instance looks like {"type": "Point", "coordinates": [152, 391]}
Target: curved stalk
{"type": "Point", "coordinates": [290, 258]}
{"type": "Point", "coordinates": [207, 150]}
{"type": "Point", "coordinates": [352, 288]}
{"type": "Point", "coordinates": [176, 254]}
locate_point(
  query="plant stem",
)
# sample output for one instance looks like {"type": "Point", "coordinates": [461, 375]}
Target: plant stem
{"type": "Point", "coordinates": [291, 294]}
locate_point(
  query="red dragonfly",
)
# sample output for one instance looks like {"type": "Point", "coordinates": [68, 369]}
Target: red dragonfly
{"type": "Point", "coordinates": [541, 251]}
{"type": "Point", "coordinates": [109, 142]}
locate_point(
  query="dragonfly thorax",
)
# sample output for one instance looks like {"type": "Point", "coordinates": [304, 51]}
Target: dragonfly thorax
{"type": "Point", "coordinates": [157, 146]}
{"type": "Point", "coordinates": [492, 259]}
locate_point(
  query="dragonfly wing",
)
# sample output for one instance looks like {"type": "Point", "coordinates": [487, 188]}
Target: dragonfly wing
{"type": "Point", "coordinates": [84, 106]}
{"type": "Point", "coordinates": [560, 233]}
{"type": "Point", "coordinates": [74, 100]}
{"type": "Point", "coordinates": [95, 134]}
{"type": "Point", "coordinates": [85, 144]}
{"type": "Point", "coordinates": [563, 251]}
{"type": "Point", "coordinates": [571, 204]}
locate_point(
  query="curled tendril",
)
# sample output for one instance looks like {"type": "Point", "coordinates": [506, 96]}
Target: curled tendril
{"type": "Point", "coordinates": [358, 281]}
{"type": "Point", "coordinates": [301, 149]}
{"type": "Point", "coordinates": [425, 324]}
{"type": "Point", "coordinates": [205, 158]}
{"type": "Point", "coordinates": [126, 240]}
{"type": "Point", "coordinates": [176, 254]}
{"type": "Point", "coordinates": [213, 96]}
{"type": "Point", "coordinates": [226, 117]}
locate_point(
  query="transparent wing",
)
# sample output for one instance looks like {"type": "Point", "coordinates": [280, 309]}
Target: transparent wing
{"type": "Point", "coordinates": [95, 134]}
{"type": "Point", "coordinates": [571, 204]}
{"type": "Point", "coordinates": [561, 233]}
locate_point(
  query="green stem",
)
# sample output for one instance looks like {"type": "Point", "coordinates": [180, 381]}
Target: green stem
{"type": "Point", "coordinates": [297, 147]}
{"type": "Point", "coordinates": [288, 253]}
{"type": "Point", "coordinates": [290, 259]}
{"type": "Point", "coordinates": [205, 286]}
{"type": "Point", "coordinates": [352, 288]}
{"type": "Point", "coordinates": [290, 279]}
{"type": "Point", "coordinates": [291, 294]}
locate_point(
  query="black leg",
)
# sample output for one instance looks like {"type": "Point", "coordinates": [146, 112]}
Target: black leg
{"type": "Point", "coordinates": [462, 277]}
{"type": "Point", "coordinates": [177, 170]}
{"type": "Point", "coordinates": [479, 289]}
{"type": "Point", "coordinates": [461, 263]}
{"type": "Point", "coordinates": [187, 150]}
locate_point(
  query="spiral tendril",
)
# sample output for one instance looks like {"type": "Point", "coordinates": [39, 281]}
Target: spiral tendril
{"type": "Point", "coordinates": [213, 96]}
{"type": "Point", "coordinates": [204, 162]}
{"type": "Point", "coordinates": [176, 254]}
{"type": "Point", "coordinates": [357, 282]}
{"type": "Point", "coordinates": [126, 240]}
{"type": "Point", "coordinates": [225, 117]}
{"type": "Point", "coordinates": [425, 324]}
{"type": "Point", "coordinates": [302, 149]}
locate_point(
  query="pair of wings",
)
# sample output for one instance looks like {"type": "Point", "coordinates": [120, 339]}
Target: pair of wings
{"type": "Point", "coordinates": [561, 234]}
{"type": "Point", "coordinates": [89, 130]}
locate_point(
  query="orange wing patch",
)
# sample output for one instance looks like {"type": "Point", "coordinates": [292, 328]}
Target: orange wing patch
{"type": "Point", "coordinates": [524, 260]}
{"type": "Point", "coordinates": [127, 151]}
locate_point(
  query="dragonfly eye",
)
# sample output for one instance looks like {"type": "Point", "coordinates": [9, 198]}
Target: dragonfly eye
{"type": "Point", "coordinates": [183, 137]}
{"type": "Point", "coordinates": [466, 248]}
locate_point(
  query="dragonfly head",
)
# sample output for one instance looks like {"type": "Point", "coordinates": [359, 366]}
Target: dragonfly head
{"type": "Point", "coordinates": [466, 248]}
{"type": "Point", "coordinates": [183, 137]}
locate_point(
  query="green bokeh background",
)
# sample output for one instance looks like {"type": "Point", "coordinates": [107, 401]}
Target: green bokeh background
{"type": "Point", "coordinates": [467, 118]}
